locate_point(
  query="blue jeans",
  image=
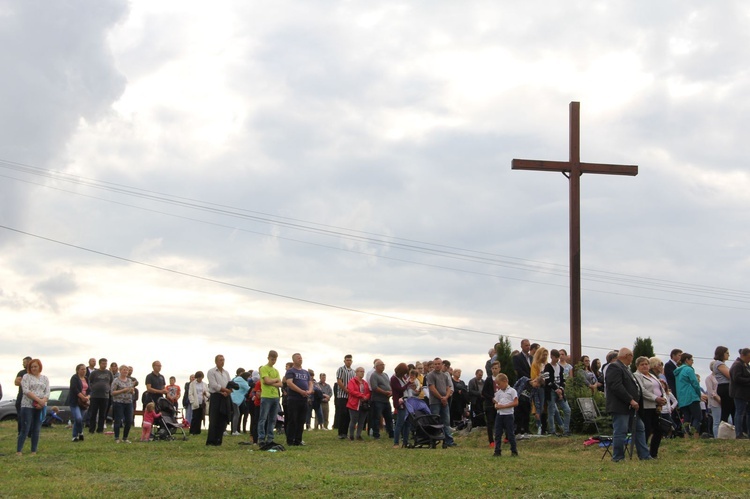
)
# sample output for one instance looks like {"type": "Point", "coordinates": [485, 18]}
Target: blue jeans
{"type": "Point", "coordinates": [31, 420]}
{"type": "Point", "coordinates": [537, 396]}
{"type": "Point", "coordinates": [402, 427]}
{"type": "Point", "coordinates": [445, 417]}
{"type": "Point", "coordinates": [740, 415]}
{"type": "Point", "coordinates": [716, 416]}
{"type": "Point", "coordinates": [553, 414]}
{"type": "Point", "coordinates": [504, 422]}
{"type": "Point", "coordinates": [377, 410]}
{"type": "Point", "coordinates": [123, 413]}
{"type": "Point", "coordinates": [77, 415]}
{"type": "Point", "coordinates": [269, 408]}
{"type": "Point", "coordinates": [694, 415]}
{"type": "Point", "coordinates": [620, 428]}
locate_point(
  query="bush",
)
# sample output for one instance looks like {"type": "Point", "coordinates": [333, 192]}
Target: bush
{"type": "Point", "coordinates": [575, 388]}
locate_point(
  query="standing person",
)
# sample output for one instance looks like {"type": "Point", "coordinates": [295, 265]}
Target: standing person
{"type": "Point", "coordinates": [155, 383]}
{"type": "Point", "coordinates": [186, 401]}
{"type": "Point", "coordinates": [173, 392]}
{"type": "Point", "coordinates": [567, 367]}
{"type": "Point", "coordinates": [219, 403]}
{"type": "Point", "coordinates": [459, 399]}
{"type": "Point", "coordinates": [78, 401]}
{"type": "Point", "coordinates": [624, 397]}
{"type": "Point", "coordinates": [198, 397]}
{"type": "Point", "coordinates": [298, 389]}
{"type": "Point", "coordinates": [689, 393]}
{"type": "Point", "coordinates": [475, 397]}
{"type": "Point", "coordinates": [721, 374]}
{"type": "Point", "coordinates": [653, 400]}
{"type": "Point", "coordinates": [122, 404]}
{"type": "Point", "coordinates": [739, 389]}
{"type": "Point", "coordinates": [149, 416]}
{"type": "Point", "coordinates": [506, 399]}
{"type": "Point", "coordinates": [135, 391]}
{"type": "Point", "coordinates": [522, 360]}
{"type": "Point", "coordinates": [359, 394]}
{"type": "Point", "coordinates": [327, 391]}
{"type": "Point", "coordinates": [317, 401]}
{"type": "Point", "coordinates": [343, 375]}
{"type": "Point", "coordinates": [380, 404]}
{"type": "Point", "coordinates": [238, 399]}
{"type": "Point", "coordinates": [270, 384]}
{"type": "Point", "coordinates": [488, 404]}
{"type": "Point", "coordinates": [255, 408]}
{"type": "Point", "coordinates": [441, 389]}
{"type": "Point", "coordinates": [35, 389]}
{"type": "Point", "coordinates": [556, 395]}
{"type": "Point", "coordinates": [714, 401]}
{"type": "Point", "coordinates": [537, 394]}
{"type": "Point", "coordinates": [400, 384]}
{"type": "Point", "coordinates": [19, 377]}
{"type": "Point", "coordinates": [91, 367]}
{"type": "Point", "coordinates": [669, 368]}
{"type": "Point", "coordinates": [100, 384]}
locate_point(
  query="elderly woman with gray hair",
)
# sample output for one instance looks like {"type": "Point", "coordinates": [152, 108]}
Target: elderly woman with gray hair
{"type": "Point", "coordinates": [653, 398]}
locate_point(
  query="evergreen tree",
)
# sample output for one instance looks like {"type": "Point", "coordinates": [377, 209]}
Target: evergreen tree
{"type": "Point", "coordinates": [642, 348]}
{"type": "Point", "coordinates": [503, 352]}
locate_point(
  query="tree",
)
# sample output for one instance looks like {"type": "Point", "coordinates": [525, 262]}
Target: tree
{"type": "Point", "coordinates": [642, 348]}
{"type": "Point", "coordinates": [503, 352]}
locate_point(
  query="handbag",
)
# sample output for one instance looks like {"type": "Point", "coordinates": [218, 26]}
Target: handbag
{"type": "Point", "coordinates": [83, 404]}
{"type": "Point", "coordinates": [665, 425]}
{"type": "Point", "coordinates": [364, 405]}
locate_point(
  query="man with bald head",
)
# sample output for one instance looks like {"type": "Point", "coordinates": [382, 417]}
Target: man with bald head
{"type": "Point", "coordinates": [624, 398]}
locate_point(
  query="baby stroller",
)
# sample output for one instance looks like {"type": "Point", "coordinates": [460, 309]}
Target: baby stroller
{"type": "Point", "coordinates": [168, 423]}
{"type": "Point", "coordinates": [426, 428]}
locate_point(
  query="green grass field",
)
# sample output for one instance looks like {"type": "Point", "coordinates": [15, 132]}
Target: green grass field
{"type": "Point", "coordinates": [328, 467]}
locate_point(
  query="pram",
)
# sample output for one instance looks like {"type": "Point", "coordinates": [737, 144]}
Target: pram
{"type": "Point", "coordinates": [168, 423]}
{"type": "Point", "coordinates": [426, 428]}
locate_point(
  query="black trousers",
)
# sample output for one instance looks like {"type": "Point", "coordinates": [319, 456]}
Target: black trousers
{"type": "Point", "coordinates": [218, 418]}
{"type": "Point", "coordinates": [295, 420]}
{"type": "Point", "coordinates": [195, 423]}
{"type": "Point", "coordinates": [97, 407]}
{"type": "Point", "coordinates": [342, 415]}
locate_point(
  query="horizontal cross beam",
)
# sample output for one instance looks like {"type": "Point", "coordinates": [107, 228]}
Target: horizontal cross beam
{"type": "Point", "coordinates": [567, 167]}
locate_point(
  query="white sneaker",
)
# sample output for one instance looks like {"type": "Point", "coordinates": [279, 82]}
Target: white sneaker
{"type": "Point", "coordinates": [236, 433]}
{"type": "Point", "coordinates": [127, 441]}
{"type": "Point", "coordinates": [539, 431]}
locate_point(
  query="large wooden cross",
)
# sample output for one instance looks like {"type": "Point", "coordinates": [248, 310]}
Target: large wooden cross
{"type": "Point", "coordinates": [573, 169]}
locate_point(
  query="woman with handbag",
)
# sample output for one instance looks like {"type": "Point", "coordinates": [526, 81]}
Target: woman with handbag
{"type": "Point", "coordinates": [653, 399]}
{"type": "Point", "coordinates": [359, 402]}
{"type": "Point", "coordinates": [78, 400]}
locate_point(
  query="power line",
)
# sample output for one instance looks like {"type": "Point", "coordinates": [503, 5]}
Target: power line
{"type": "Point", "coordinates": [293, 298]}
{"type": "Point", "coordinates": [462, 254]}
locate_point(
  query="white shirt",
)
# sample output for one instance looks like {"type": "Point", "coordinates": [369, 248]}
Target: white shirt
{"type": "Point", "coordinates": [505, 397]}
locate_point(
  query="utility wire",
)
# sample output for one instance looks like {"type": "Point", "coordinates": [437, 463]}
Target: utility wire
{"type": "Point", "coordinates": [293, 298]}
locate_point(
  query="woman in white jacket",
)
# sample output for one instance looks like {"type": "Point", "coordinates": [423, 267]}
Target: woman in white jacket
{"type": "Point", "coordinates": [198, 397]}
{"type": "Point", "coordinates": [653, 399]}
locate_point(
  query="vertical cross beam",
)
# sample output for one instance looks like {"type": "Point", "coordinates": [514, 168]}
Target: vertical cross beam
{"type": "Point", "coordinates": [573, 169]}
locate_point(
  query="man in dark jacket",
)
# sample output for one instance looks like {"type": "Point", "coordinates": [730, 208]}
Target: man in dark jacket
{"type": "Point", "coordinates": [739, 390]}
{"type": "Point", "coordinates": [623, 399]}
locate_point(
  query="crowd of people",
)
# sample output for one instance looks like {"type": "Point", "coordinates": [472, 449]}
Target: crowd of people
{"type": "Point", "coordinates": [370, 403]}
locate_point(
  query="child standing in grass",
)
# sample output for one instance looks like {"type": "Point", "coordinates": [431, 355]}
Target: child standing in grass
{"type": "Point", "coordinates": [149, 415]}
{"type": "Point", "coordinates": [506, 399]}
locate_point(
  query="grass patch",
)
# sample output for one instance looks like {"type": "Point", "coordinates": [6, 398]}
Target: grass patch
{"type": "Point", "coordinates": [328, 467]}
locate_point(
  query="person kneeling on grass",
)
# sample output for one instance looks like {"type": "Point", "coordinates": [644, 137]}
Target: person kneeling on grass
{"type": "Point", "coordinates": [506, 399]}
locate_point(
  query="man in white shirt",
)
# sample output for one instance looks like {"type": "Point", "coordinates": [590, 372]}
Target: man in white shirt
{"type": "Point", "coordinates": [219, 403]}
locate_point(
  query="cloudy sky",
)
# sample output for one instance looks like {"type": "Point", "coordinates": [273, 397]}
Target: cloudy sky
{"type": "Point", "coordinates": [179, 180]}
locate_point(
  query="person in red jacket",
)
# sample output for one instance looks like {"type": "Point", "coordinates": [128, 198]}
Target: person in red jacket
{"type": "Point", "coordinates": [359, 402]}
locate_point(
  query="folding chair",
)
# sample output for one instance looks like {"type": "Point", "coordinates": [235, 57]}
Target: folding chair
{"type": "Point", "coordinates": [589, 411]}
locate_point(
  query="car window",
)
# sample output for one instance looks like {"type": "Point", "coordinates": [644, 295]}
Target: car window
{"type": "Point", "coordinates": [58, 395]}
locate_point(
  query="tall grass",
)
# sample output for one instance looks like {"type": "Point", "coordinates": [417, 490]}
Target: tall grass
{"type": "Point", "coordinates": [328, 467]}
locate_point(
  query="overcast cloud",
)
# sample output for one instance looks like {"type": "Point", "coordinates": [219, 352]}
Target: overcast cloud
{"type": "Point", "coordinates": [283, 167]}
